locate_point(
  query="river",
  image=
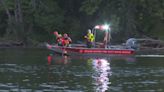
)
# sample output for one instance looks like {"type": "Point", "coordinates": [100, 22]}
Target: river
{"type": "Point", "coordinates": [30, 70]}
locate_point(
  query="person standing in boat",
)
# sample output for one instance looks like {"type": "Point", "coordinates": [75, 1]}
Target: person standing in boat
{"type": "Point", "coordinates": [89, 39]}
{"type": "Point", "coordinates": [66, 40]}
{"type": "Point", "coordinates": [106, 40]}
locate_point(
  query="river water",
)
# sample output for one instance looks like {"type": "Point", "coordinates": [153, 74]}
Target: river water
{"type": "Point", "coordinates": [30, 70]}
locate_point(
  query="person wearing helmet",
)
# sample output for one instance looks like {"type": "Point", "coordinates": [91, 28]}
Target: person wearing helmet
{"type": "Point", "coordinates": [89, 39]}
{"type": "Point", "coordinates": [66, 40]}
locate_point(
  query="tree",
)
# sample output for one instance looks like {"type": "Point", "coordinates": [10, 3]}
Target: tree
{"type": "Point", "coordinates": [131, 18]}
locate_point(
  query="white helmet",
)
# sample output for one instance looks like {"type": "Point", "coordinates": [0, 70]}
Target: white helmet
{"type": "Point", "coordinates": [89, 31]}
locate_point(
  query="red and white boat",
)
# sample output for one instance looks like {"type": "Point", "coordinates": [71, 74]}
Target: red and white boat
{"type": "Point", "coordinates": [82, 51]}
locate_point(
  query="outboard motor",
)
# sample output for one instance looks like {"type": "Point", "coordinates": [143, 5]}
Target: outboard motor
{"type": "Point", "coordinates": [132, 43]}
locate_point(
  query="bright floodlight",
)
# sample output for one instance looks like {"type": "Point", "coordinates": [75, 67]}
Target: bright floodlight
{"type": "Point", "coordinates": [105, 27]}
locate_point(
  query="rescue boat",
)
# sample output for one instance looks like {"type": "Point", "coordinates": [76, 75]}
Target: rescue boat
{"type": "Point", "coordinates": [96, 51]}
{"type": "Point", "coordinates": [82, 51]}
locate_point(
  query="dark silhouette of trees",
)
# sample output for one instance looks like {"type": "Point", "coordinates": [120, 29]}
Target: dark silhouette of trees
{"type": "Point", "coordinates": [33, 21]}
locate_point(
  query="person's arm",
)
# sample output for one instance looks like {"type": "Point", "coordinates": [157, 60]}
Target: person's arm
{"type": "Point", "coordinates": [70, 40]}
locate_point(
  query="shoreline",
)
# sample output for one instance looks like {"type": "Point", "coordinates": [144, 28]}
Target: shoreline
{"type": "Point", "coordinates": [21, 45]}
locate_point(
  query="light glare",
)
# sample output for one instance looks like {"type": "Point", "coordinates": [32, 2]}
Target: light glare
{"type": "Point", "coordinates": [105, 27]}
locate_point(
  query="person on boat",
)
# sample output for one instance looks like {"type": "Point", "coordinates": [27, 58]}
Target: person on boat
{"type": "Point", "coordinates": [106, 40]}
{"type": "Point", "coordinates": [89, 39]}
{"type": "Point", "coordinates": [66, 40]}
{"type": "Point", "coordinates": [59, 39]}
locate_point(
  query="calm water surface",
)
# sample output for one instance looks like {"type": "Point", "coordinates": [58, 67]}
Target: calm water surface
{"type": "Point", "coordinates": [28, 70]}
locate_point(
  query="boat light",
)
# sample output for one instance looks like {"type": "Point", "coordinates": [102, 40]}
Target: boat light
{"type": "Point", "coordinates": [97, 27]}
{"type": "Point", "coordinates": [102, 27]}
{"type": "Point", "coordinates": [105, 27]}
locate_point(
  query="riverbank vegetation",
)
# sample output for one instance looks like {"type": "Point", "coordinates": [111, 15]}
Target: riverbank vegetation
{"type": "Point", "coordinates": [31, 22]}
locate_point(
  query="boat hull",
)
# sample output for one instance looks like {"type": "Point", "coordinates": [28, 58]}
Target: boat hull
{"type": "Point", "coordinates": [89, 51]}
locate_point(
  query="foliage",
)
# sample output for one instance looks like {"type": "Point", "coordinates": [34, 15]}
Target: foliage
{"type": "Point", "coordinates": [134, 18]}
{"type": "Point", "coordinates": [35, 20]}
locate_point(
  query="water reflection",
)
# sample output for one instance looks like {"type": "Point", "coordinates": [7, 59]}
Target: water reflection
{"type": "Point", "coordinates": [101, 74]}
{"type": "Point", "coordinates": [51, 59]}
{"type": "Point", "coordinates": [29, 72]}
{"type": "Point", "coordinates": [100, 69]}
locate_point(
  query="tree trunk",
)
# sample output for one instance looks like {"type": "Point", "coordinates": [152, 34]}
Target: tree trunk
{"type": "Point", "coordinates": [33, 2]}
{"type": "Point", "coordinates": [10, 26]}
{"type": "Point", "coordinates": [19, 22]}
{"type": "Point", "coordinates": [18, 12]}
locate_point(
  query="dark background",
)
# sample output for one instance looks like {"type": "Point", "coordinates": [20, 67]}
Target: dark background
{"type": "Point", "coordinates": [33, 21]}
